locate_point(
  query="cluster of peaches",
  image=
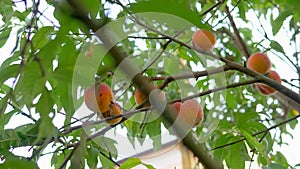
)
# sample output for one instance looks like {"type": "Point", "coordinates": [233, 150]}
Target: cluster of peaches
{"type": "Point", "coordinates": [99, 98]}
{"type": "Point", "coordinates": [189, 112]}
{"type": "Point", "coordinates": [261, 63]}
{"type": "Point", "coordinates": [258, 62]}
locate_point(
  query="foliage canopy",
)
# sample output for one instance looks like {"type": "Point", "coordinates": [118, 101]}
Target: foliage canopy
{"type": "Point", "coordinates": [54, 55]}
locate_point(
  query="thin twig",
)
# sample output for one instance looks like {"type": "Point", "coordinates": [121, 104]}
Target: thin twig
{"type": "Point", "coordinates": [217, 89]}
{"type": "Point", "coordinates": [141, 37]}
{"type": "Point", "coordinates": [238, 37]}
{"type": "Point", "coordinates": [69, 156]}
{"type": "Point", "coordinates": [164, 47]}
{"type": "Point", "coordinates": [196, 75]}
{"type": "Point", "coordinates": [258, 133]}
{"type": "Point", "coordinates": [211, 8]}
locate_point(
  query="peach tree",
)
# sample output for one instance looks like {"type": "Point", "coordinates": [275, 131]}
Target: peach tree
{"type": "Point", "coordinates": [52, 52]}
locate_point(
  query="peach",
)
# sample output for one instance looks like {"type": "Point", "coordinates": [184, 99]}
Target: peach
{"type": "Point", "coordinates": [115, 109]}
{"type": "Point", "coordinates": [98, 97]}
{"type": "Point", "coordinates": [190, 112]}
{"type": "Point", "coordinates": [176, 106]}
{"type": "Point", "coordinates": [140, 97]}
{"type": "Point", "coordinates": [265, 89]}
{"type": "Point", "coordinates": [259, 62]}
{"type": "Point", "coordinates": [204, 39]}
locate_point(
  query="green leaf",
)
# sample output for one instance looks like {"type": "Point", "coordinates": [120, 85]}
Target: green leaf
{"type": "Point", "coordinates": [67, 21]}
{"type": "Point", "coordinates": [4, 119]}
{"type": "Point", "coordinates": [221, 153]}
{"type": "Point", "coordinates": [9, 138]}
{"type": "Point", "coordinates": [93, 7]}
{"type": "Point", "coordinates": [58, 158]}
{"type": "Point", "coordinates": [23, 135]}
{"type": "Point", "coordinates": [45, 104]}
{"type": "Point", "coordinates": [19, 163]}
{"type": "Point", "coordinates": [8, 72]}
{"type": "Point", "coordinates": [47, 54]}
{"type": "Point", "coordinates": [4, 36]}
{"type": "Point", "coordinates": [11, 59]}
{"type": "Point", "coordinates": [235, 158]}
{"type": "Point", "coordinates": [41, 37]}
{"type": "Point", "coordinates": [231, 99]}
{"type": "Point", "coordinates": [44, 107]}
{"type": "Point", "coordinates": [107, 145]}
{"type": "Point", "coordinates": [29, 85]}
{"type": "Point", "coordinates": [133, 162]}
{"type": "Point", "coordinates": [153, 129]}
{"type": "Point", "coordinates": [246, 120]}
{"type": "Point", "coordinates": [279, 158]}
{"type": "Point", "coordinates": [277, 23]}
{"type": "Point", "coordinates": [171, 65]}
{"type": "Point", "coordinates": [78, 157]}
{"type": "Point", "coordinates": [276, 46]}
{"type": "Point", "coordinates": [183, 53]}
{"type": "Point", "coordinates": [106, 163]}
{"type": "Point", "coordinates": [92, 157]}
{"type": "Point", "coordinates": [3, 104]}
{"type": "Point", "coordinates": [22, 15]}
{"type": "Point", "coordinates": [253, 142]}
{"type": "Point", "coordinates": [242, 11]}
{"type": "Point", "coordinates": [180, 9]}
{"type": "Point", "coordinates": [130, 163]}
{"type": "Point", "coordinates": [211, 123]}
{"type": "Point", "coordinates": [273, 166]}
{"type": "Point", "coordinates": [6, 11]}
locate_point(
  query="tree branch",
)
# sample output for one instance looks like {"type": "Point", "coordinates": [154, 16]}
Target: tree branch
{"type": "Point", "coordinates": [62, 166]}
{"type": "Point", "coordinates": [188, 140]}
{"type": "Point", "coordinates": [217, 89]}
{"type": "Point", "coordinates": [237, 38]}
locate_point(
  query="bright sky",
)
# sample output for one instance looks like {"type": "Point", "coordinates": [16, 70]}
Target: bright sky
{"type": "Point", "coordinates": [284, 70]}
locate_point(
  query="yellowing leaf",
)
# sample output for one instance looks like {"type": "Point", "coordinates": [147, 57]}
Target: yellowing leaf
{"type": "Point", "coordinates": [295, 112]}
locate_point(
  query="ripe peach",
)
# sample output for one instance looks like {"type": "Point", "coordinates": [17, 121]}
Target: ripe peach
{"type": "Point", "coordinates": [190, 111]}
{"type": "Point", "coordinates": [259, 62]}
{"type": "Point", "coordinates": [140, 97]}
{"type": "Point", "coordinates": [176, 107]}
{"type": "Point", "coordinates": [265, 89]}
{"type": "Point", "coordinates": [204, 39]}
{"type": "Point", "coordinates": [115, 109]}
{"type": "Point", "coordinates": [98, 97]}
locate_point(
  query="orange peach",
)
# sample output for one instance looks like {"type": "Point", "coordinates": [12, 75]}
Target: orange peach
{"type": "Point", "coordinates": [98, 97]}
{"type": "Point", "coordinates": [204, 39]}
{"type": "Point", "coordinates": [259, 62]}
{"type": "Point", "coordinates": [265, 89]}
{"type": "Point", "coordinates": [115, 109]}
{"type": "Point", "coordinates": [176, 107]}
{"type": "Point", "coordinates": [140, 97]}
{"type": "Point", "coordinates": [190, 112]}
